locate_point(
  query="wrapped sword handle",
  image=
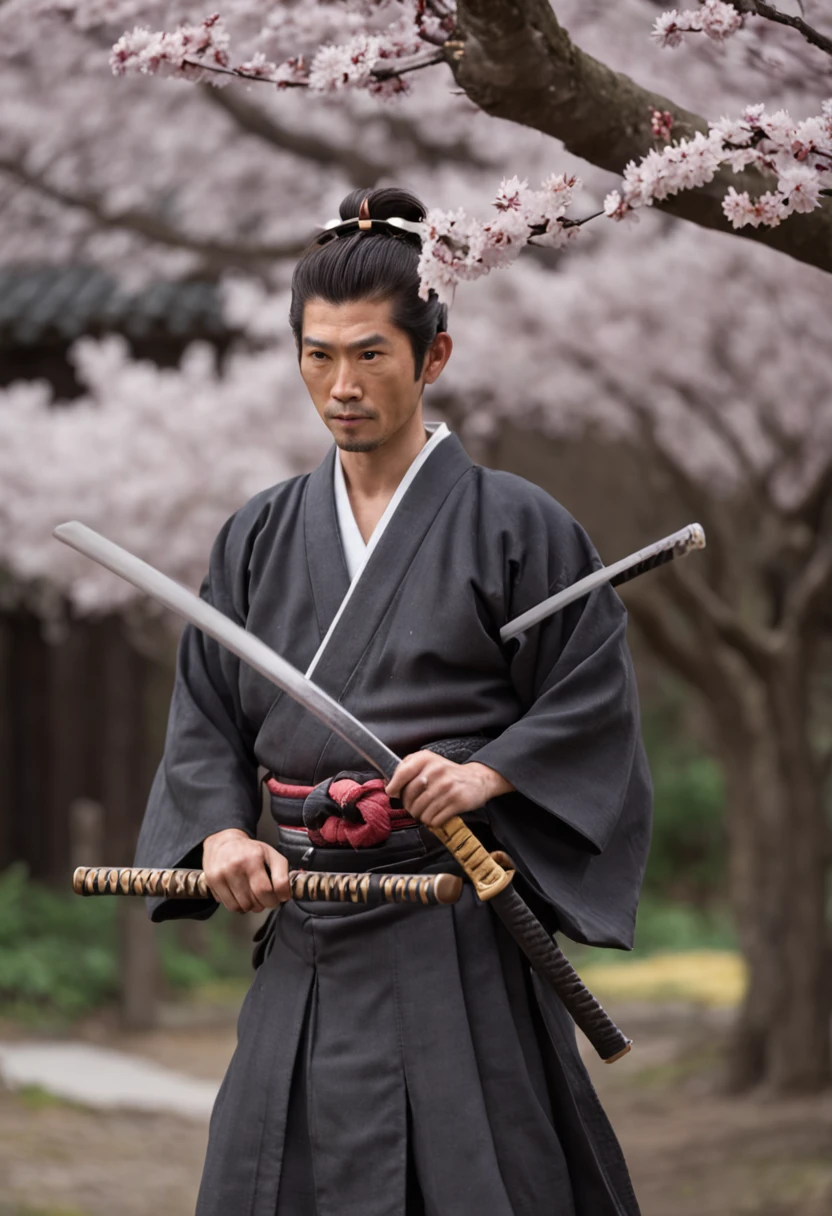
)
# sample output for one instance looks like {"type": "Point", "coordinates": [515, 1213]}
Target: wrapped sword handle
{"type": "Point", "coordinates": [305, 884]}
{"type": "Point", "coordinates": [484, 870]}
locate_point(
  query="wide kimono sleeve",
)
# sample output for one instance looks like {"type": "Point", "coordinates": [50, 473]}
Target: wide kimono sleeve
{"type": "Point", "coordinates": [579, 824]}
{"type": "Point", "coordinates": [207, 779]}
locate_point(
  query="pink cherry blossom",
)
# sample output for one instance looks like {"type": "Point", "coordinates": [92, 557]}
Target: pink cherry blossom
{"type": "Point", "coordinates": [458, 248]}
{"type": "Point", "coordinates": [800, 188]}
{"type": "Point", "coordinates": [715, 18]}
{"type": "Point", "coordinates": [605, 335]}
{"type": "Point", "coordinates": [173, 54]}
{"type": "Point", "coordinates": [661, 124]}
{"type": "Point", "coordinates": [741, 210]}
{"type": "Point", "coordinates": [719, 20]}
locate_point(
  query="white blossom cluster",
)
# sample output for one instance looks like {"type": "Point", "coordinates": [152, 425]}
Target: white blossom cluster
{"type": "Point", "coordinates": [715, 19]}
{"type": "Point", "coordinates": [361, 62]}
{"type": "Point", "coordinates": [155, 459]}
{"type": "Point", "coordinates": [798, 153]}
{"type": "Point", "coordinates": [730, 377]}
{"type": "Point", "coordinates": [193, 52]}
{"type": "Point", "coordinates": [683, 165]}
{"type": "Point", "coordinates": [457, 247]}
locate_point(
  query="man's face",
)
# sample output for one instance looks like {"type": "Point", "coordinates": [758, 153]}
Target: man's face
{"type": "Point", "coordinates": [358, 368]}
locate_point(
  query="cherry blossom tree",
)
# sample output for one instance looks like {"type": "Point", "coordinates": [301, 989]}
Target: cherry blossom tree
{"type": "Point", "coordinates": [724, 405]}
{"type": "Point", "coordinates": [457, 246]}
{"type": "Point", "coordinates": [152, 457]}
{"type": "Point", "coordinates": [700, 351]}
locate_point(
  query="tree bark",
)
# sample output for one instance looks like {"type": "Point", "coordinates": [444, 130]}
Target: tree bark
{"type": "Point", "coordinates": [779, 849]}
{"type": "Point", "coordinates": [517, 62]}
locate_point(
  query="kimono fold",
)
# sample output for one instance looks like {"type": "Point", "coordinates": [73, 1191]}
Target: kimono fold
{"type": "Point", "coordinates": [416, 655]}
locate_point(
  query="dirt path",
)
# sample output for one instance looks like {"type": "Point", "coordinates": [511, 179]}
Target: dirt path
{"type": "Point", "coordinates": [691, 1152]}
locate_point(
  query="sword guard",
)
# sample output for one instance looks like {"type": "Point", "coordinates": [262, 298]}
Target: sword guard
{"type": "Point", "coordinates": [503, 859]}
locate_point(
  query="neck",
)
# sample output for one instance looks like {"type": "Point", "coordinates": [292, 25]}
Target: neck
{"type": "Point", "coordinates": [376, 474]}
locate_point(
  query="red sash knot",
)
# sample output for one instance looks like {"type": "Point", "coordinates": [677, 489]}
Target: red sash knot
{"type": "Point", "coordinates": [345, 811]}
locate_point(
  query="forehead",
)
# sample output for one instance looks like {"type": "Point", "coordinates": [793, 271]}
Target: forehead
{"type": "Point", "coordinates": [343, 323]}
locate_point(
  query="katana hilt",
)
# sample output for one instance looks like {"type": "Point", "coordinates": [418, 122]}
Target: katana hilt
{"type": "Point", "coordinates": [483, 868]}
{"type": "Point", "coordinates": [491, 874]}
{"type": "Point", "coordinates": [426, 889]}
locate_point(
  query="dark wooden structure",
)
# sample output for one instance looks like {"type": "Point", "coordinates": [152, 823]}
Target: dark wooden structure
{"type": "Point", "coordinates": [43, 309]}
{"type": "Point", "coordinates": [79, 718]}
{"type": "Point", "coordinates": [82, 717]}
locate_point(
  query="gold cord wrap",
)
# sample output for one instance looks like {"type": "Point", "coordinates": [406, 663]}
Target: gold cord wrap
{"type": "Point", "coordinates": [426, 889]}
{"type": "Point", "coordinates": [483, 868]}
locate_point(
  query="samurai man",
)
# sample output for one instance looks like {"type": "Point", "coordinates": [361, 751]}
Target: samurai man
{"type": "Point", "coordinates": [401, 1060]}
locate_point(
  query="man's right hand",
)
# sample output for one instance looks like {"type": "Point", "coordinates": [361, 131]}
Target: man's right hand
{"type": "Point", "coordinates": [245, 875]}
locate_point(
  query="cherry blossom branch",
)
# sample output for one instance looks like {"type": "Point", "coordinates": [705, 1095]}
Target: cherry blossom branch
{"type": "Point", "coordinates": [517, 62]}
{"type": "Point", "coordinates": [220, 255]}
{"type": "Point", "coordinates": [719, 19]}
{"type": "Point", "coordinates": [799, 153]}
{"type": "Point", "coordinates": [375, 62]}
{"type": "Point", "coordinates": [458, 248]}
{"type": "Point", "coordinates": [761, 9]}
{"type": "Point", "coordinates": [373, 75]}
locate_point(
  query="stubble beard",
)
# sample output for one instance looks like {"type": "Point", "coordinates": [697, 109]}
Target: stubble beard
{"type": "Point", "coordinates": [356, 445]}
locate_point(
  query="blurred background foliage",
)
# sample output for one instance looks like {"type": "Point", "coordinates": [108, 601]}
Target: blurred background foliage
{"type": "Point", "coordinates": [59, 952]}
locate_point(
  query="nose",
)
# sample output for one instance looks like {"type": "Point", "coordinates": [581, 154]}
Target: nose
{"type": "Point", "coordinates": [346, 386]}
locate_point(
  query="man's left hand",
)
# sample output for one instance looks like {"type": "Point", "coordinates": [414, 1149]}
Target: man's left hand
{"type": "Point", "coordinates": [433, 789]}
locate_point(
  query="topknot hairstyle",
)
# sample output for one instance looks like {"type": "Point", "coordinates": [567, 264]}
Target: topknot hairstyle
{"type": "Point", "coordinates": [375, 263]}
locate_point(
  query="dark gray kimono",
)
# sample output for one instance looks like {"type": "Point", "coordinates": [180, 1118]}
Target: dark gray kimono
{"type": "Point", "coordinates": [427, 1070]}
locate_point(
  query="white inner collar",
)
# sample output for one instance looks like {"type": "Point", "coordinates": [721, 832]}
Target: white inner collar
{"type": "Point", "coordinates": [356, 551]}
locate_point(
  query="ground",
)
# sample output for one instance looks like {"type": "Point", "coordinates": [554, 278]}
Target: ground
{"type": "Point", "coordinates": [692, 1152]}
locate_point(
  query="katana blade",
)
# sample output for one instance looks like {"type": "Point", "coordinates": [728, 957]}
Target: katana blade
{"type": "Point", "coordinates": [678, 544]}
{"type": "Point", "coordinates": [231, 635]}
{"type": "Point", "coordinates": [489, 877]}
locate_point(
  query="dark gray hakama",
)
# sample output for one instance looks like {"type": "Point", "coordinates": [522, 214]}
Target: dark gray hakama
{"type": "Point", "coordinates": [396, 1027]}
{"type": "Point", "coordinates": [415, 1033]}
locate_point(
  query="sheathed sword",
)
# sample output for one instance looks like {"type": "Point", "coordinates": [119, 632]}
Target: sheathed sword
{"type": "Point", "coordinates": [490, 874]}
{"type": "Point", "coordinates": [677, 544]}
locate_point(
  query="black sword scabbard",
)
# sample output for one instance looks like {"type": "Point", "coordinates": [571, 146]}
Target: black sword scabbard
{"type": "Point", "coordinates": [492, 875]}
{"type": "Point", "coordinates": [552, 965]}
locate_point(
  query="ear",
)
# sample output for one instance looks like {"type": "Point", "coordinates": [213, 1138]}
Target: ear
{"type": "Point", "coordinates": [438, 354]}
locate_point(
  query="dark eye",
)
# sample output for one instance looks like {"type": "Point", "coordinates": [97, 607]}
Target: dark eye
{"type": "Point", "coordinates": [371, 353]}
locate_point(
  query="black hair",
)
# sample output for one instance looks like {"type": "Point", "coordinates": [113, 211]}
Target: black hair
{"type": "Point", "coordinates": [376, 263]}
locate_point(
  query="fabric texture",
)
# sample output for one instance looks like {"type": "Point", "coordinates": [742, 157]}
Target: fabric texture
{"type": "Point", "coordinates": [353, 1021]}
{"type": "Point", "coordinates": [417, 656]}
{"type": "Point", "coordinates": [400, 1055]}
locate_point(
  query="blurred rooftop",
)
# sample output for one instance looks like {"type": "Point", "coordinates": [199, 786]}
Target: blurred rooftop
{"type": "Point", "coordinates": [41, 305]}
{"type": "Point", "coordinates": [45, 308]}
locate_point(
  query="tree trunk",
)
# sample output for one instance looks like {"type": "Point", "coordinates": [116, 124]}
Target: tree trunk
{"type": "Point", "coordinates": [778, 880]}
{"type": "Point", "coordinates": [139, 966]}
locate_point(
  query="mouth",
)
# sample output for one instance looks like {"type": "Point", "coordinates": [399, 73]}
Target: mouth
{"type": "Point", "coordinates": [351, 417]}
